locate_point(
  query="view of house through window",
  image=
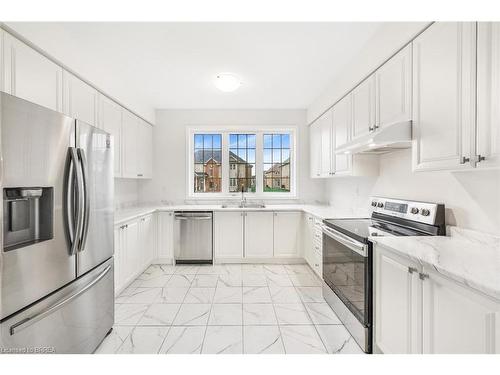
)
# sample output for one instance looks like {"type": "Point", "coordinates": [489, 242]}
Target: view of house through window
{"type": "Point", "coordinates": [241, 151]}
{"type": "Point", "coordinates": [276, 162]}
{"type": "Point", "coordinates": [242, 162]}
{"type": "Point", "coordinates": [207, 163]}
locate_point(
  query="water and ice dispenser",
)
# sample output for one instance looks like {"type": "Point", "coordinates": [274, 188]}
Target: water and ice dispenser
{"type": "Point", "coordinates": [27, 216]}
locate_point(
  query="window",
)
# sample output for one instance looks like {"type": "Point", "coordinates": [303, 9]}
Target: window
{"type": "Point", "coordinates": [242, 163]}
{"type": "Point", "coordinates": [207, 163]}
{"type": "Point", "coordinates": [223, 162]}
{"type": "Point", "coordinates": [276, 163]}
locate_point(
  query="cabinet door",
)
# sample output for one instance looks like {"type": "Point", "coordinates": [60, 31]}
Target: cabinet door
{"type": "Point", "coordinates": [326, 144]}
{"type": "Point", "coordinates": [393, 83]}
{"type": "Point", "coordinates": [130, 141]}
{"type": "Point", "coordinates": [363, 107]}
{"type": "Point", "coordinates": [228, 234]}
{"type": "Point", "coordinates": [30, 75]}
{"type": "Point", "coordinates": [444, 96]}
{"type": "Point", "coordinates": [110, 120]}
{"type": "Point", "coordinates": [132, 255]}
{"type": "Point", "coordinates": [165, 237]}
{"type": "Point", "coordinates": [488, 94]}
{"type": "Point", "coordinates": [79, 99]}
{"type": "Point", "coordinates": [145, 151]}
{"type": "Point", "coordinates": [146, 240]}
{"type": "Point", "coordinates": [258, 235]}
{"type": "Point", "coordinates": [307, 239]}
{"type": "Point", "coordinates": [315, 149]}
{"type": "Point", "coordinates": [398, 296]}
{"type": "Point", "coordinates": [457, 319]}
{"type": "Point", "coordinates": [287, 234]}
{"type": "Point", "coordinates": [118, 254]}
{"type": "Point", "coordinates": [341, 113]}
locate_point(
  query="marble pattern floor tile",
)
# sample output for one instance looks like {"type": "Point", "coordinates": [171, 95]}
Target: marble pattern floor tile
{"type": "Point", "coordinates": [184, 340]}
{"type": "Point", "coordinates": [302, 339]}
{"type": "Point", "coordinates": [159, 314]}
{"type": "Point", "coordinates": [256, 294]}
{"type": "Point", "coordinates": [223, 340]}
{"type": "Point", "coordinates": [192, 315]}
{"type": "Point", "coordinates": [200, 295]}
{"type": "Point", "coordinates": [143, 340]}
{"type": "Point", "coordinates": [291, 313]}
{"type": "Point", "coordinates": [259, 314]}
{"type": "Point", "coordinates": [262, 340]}
{"type": "Point", "coordinates": [226, 314]}
{"type": "Point", "coordinates": [229, 308]}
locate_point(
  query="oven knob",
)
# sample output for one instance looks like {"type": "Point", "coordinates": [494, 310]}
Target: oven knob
{"type": "Point", "coordinates": [374, 204]}
{"type": "Point", "coordinates": [380, 205]}
{"type": "Point", "coordinates": [414, 210]}
{"type": "Point", "coordinates": [425, 212]}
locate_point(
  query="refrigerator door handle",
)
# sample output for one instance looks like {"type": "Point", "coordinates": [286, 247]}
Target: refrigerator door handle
{"type": "Point", "coordinates": [73, 195]}
{"type": "Point", "coordinates": [19, 326]}
{"type": "Point", "coordinates": [86, 199]}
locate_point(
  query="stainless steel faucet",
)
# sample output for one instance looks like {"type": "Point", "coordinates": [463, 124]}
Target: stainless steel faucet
{"type": "Point", "coordinates": [243, 202]}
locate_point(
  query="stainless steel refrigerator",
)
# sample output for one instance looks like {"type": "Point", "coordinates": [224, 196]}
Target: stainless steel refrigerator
{"type": "Point", "coordinates": [56, 256]}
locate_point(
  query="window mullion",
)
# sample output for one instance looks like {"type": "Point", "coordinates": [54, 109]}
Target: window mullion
{"type": "Point", "coordinates": [225, 163]}
{"type": "Point", "coordinates": [259, 168]}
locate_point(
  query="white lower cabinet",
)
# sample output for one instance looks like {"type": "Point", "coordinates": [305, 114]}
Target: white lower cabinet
{"type": "Point", "coordinates": [417, 310]}
{"type": "Point", "coordinates": [165, 246]}
{"type": "Point", "coordinates": [147, 236]}
{"type": "Point", "coordinates": [258, 235]}
{"type": "Point", "coordinates": [313, 243]}
{"type": "Point", "coordinates": [287, 232]}
{"type": "Point", "coordinates": [228, 234]}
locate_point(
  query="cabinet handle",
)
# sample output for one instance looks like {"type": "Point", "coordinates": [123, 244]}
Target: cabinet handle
{"type": "Point", "coordinates": [423, 276]}
{"type": "Point", "coordinates": [371, 128]}
{"type": "Point", "coordinates": [464, 160]}
{"type": "Point", "coordinates": [316, 265]}
{"type": "Point", "coordinates": [139, 174]}
{"type": "Point", "coordinates": [480, 158]}
{"type": "Point", "coordinates": [412, 269]}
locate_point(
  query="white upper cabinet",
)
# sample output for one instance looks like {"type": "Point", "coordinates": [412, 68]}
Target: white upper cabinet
{"type": "Point", "coordinates": [80, 100]}
{"type": "Point", "coordinates": [488, 95]}
{"type": "Point", "coordinates": [258, 234]}
{"type": "Point", "coordinates": [393, 89]}
{"type": "Point", "coordinates": [30, 75]}
{"type": "Point", "coordinates": [145, 150]}
{"type": "Point", "coordinates": [315, 149]}
{"type": "Point", "coordinates": [228, 234]}
{"type": "Point", "coordinates": [363, 108]}
{"type": "Point", "coordinates": [327, 158]}
{"type": "Point", "coordinates": [444, 97]}
{"type": "Point", "coordinates": [457, 320]}
{"type": "Point", "coordinates": [287, 229]}
{"type": "Point", "coordinates": [342, 113]}
{"type": "Point", "coordinates": [130, 142]}
{"type": "Point", "coordinates": [110, 120]}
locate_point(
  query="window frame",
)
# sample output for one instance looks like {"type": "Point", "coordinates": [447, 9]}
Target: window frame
{"type": "Point", "coordinates": [259, 131]}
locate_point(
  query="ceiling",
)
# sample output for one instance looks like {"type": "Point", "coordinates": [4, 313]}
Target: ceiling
{"type": "Point", "coordinates": [172, 65]}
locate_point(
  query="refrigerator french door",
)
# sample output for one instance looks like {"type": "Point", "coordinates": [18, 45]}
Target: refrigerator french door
{"type": "Point", "coordinates": [56, 265]}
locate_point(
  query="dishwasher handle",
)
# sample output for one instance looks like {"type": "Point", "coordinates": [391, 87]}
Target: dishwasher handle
{"type": "Point", "coordinates": [193, 216]}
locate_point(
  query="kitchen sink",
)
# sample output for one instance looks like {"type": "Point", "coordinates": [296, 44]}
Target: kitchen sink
{"type": "Point", "coordinates": [247, 205]}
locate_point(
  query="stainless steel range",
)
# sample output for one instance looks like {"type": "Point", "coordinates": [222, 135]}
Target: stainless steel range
{"type": "Point", "coordinates": [348, 260]}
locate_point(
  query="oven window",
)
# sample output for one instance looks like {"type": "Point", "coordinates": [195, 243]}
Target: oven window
{"type": "Point", "coordinates": [347, 273]}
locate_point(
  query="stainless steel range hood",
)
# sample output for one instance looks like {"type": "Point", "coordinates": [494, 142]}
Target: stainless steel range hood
{"type": "Point", "coordinates": [386, 139]}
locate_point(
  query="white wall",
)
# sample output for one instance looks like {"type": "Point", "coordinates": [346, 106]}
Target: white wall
{"type": "Point", "coordinates": [472, 199]}
{"type": "Point", "coordinates": [126, 192]}
{"type": "Point", "coordinates": [169, 161]}
{"type": "Point", "coordinates": [391, 37]}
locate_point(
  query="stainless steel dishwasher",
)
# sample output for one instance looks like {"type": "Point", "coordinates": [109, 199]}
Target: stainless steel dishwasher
{"type": "Point", "coordinates": [193, 237]}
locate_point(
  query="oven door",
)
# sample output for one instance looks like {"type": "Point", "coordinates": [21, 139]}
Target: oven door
{"type": "Point", "coordinates": [347, 267]}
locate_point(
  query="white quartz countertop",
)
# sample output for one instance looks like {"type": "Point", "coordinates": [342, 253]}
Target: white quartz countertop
{"type": "Point", "coordinates": [322, 212]}
{"type": "Point", "coordinates": [469, 257]}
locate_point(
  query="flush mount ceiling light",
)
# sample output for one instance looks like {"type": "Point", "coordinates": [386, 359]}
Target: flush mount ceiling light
{"type": "Point", "coordinates": [227, 82]}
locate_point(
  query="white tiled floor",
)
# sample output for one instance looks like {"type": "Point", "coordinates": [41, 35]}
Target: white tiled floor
{"type": "Point", "coordinates": [247, 308]}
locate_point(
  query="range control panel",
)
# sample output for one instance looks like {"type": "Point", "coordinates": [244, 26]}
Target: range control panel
{"type": "Point", "coordinates": [422, 212]}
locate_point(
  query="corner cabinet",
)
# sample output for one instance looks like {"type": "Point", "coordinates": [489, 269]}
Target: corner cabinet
{"type": "Point", "coordinates": [418, 310]}
{"type": "Point", "coordinates": [137, 147]}
{"type": "Point", "coordinates": [29, 75]}
{"type": "Point", "coordinates": [165, 245]}
{"type": "Point", "coordinates": [488, 95]}
{"type": "Point", "coordinates": [444, 100]}
{"type": "Point", "coordinates": [315, 149]}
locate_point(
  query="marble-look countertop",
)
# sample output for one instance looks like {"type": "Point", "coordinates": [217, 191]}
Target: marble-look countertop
{"type": "Point", "coordinates": [322, 212]}
{"type": "Point", "coordinates": [469, 257]}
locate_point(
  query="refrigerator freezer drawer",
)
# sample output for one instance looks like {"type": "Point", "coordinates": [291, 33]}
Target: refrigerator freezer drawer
{"type": "Point", "coordinates": [75, 319]}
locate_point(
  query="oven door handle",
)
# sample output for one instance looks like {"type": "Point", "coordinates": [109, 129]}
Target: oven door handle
{"type": "Point", "coordinates": [357, 247]}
